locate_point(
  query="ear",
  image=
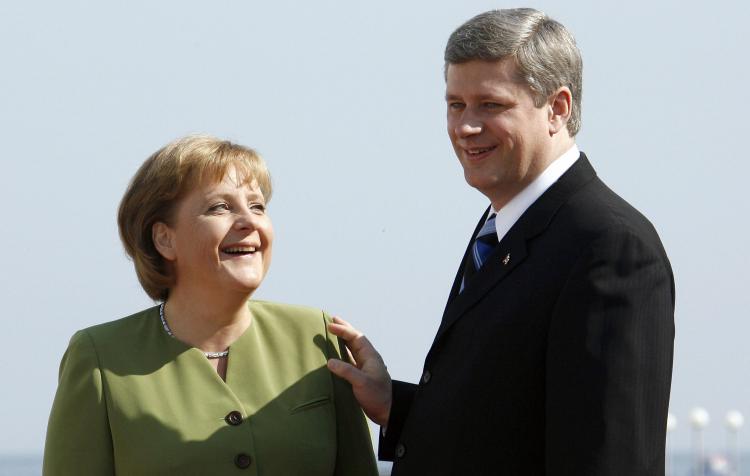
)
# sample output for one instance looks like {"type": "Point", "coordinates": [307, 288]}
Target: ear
{"type": "Point", "coordinates": [560, 106]}
{"type": "Point", "coordinates": [163, 238]}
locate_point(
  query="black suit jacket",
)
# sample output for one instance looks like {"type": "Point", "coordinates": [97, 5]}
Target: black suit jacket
{"type": "Point", "coordinates": [557, 357]}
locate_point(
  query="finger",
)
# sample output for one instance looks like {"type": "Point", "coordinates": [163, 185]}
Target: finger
{"type": "Point", "coordinates": [351, 358]}
{"type": "Point", "coordinates": [359, 345]}
{"type": "Point", "coordinates": [338, 320]}
{"type": "Point", "coordinates": [344, 325]}
{"type": "Point", "coordinates": [346, 371]}
{"type": "Point", "coordinates": [346, 332]}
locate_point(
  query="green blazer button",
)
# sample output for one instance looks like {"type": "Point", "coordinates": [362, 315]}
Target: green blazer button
{"type": "Point", "coordinates": [242, 461]}
{"type": "Point", "coordinates": [234, 418]}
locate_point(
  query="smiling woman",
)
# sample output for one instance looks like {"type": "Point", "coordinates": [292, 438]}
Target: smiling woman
{"type": "Point", "coordinates": [208, 381]}
{"type": "Point", "coordinates": [180, 174]}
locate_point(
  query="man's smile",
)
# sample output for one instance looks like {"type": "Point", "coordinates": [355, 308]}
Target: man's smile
{"type": "Point", "coordinates": [477, 153]}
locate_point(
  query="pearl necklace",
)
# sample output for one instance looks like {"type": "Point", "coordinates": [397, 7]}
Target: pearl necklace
{"type": "Point", "coordinates": [209, 355]}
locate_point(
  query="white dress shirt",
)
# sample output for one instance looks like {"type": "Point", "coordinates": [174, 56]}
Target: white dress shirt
{"type": "Point", "coordinates": [508, 215]}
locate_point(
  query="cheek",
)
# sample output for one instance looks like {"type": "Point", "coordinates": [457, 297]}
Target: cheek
{"type": "Point", "coordinates": [267, 237]}
{"type": "Point", "coordinates": [203, 241]}
{"type": "Point", "coordinates": [451, 129]}
{"type": "Point", "coordinates": [500, 127]}
{"type": "Point", "coordinates": [454, 142]}
{"type": "Point", "coordinates": [268, 234]}
{"type": "Point", "coordinates": [200, 253]}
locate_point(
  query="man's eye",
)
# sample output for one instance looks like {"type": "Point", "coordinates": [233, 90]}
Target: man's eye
{"type": "Point", "coordinates": [455, 105]}
{"type": "Point", "coordinates": [491, 105]}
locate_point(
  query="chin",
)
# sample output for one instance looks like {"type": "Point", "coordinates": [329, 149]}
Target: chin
{"type": "Point", "coordinates": [246, 285]}
{"type": "Point", "coordinates": [246, 291]}
{"type": "Point", "coordinates": [479, 181]}
{"type": "Point", "coordinates": [250, 286]}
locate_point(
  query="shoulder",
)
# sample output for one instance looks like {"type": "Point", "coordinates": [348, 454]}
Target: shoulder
{"type": "Point", "coordinates": [292, 312]}
{"type": "Point", "coordinates": [289, 316]}
{"type": "Point", "coordinates": [113, 331]}
{"type": "Point", "coordinates": [595, 213]}
{"type": "Point", "coordinates": [597, 205]}
{"type": "Point", "coordinates": [296, 310]}
{"type": "Point", "coordinates": [91, 347]}
{"type": "Point", "coordinates": [115, 340]}
{"type": "Point", "coordinates": [293, 326]}
{"type": "Point", "coordinates": [597, 228]}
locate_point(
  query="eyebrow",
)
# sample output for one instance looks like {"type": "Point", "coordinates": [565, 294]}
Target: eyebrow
{"type": "Point", "coordinates": [480, 97]}
{"type": "Point", "coordinates": [225, 195]}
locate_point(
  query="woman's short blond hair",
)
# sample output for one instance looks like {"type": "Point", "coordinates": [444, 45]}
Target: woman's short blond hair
{"type": "Point", "coordinates": [163, 179]}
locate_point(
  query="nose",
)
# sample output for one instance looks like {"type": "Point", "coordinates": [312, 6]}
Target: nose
{"type": "Point", "coordinates": [467, 125]}
{"type": "Point", "coordinates": [246, 219]}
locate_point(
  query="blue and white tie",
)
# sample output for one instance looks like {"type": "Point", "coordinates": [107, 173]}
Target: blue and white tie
{"type": "Point", "coordinates": [484, 243]}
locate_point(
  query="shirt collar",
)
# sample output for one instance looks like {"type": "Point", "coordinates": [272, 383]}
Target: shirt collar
{"type": "Point", "coordinates": [508, 215]}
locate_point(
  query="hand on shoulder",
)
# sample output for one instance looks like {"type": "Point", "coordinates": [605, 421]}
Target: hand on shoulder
{"type": "Point", "coordinates": [368, 376]}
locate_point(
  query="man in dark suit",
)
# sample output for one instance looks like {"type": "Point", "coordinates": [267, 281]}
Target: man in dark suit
{"type": "Point", "coordinates": [554, 354]}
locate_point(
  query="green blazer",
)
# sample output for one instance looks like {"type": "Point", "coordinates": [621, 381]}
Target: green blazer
{"type": "Point", "coordinates": [132, 400]}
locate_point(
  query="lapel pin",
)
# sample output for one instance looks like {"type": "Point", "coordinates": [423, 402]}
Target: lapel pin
{"type": "Point", "coordinates": [506, 260]}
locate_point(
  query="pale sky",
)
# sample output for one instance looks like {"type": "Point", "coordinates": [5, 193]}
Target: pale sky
{"type": "Point", "coordinates": [372, 215]}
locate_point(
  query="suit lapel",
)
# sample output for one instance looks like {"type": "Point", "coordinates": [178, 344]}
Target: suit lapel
{"type": "Point", "coordinates": [460, 273]}
{"type": "Point", "coordinates": [508, 254]}
{"type": "Point", "coordinates": [511, 251]}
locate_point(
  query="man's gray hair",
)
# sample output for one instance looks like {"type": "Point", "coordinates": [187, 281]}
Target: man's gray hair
{"type": "Point", "coordinates": [544, 51]}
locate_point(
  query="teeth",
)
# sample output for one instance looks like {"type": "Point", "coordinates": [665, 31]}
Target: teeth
{"type": "Point", "coordinates": [480, 151]}
{"type": "Point", "coordinates": [240, 249]}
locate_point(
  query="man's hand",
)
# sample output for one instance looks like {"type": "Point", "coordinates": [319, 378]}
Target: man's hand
{"type": "Point", "coordinates": [369, 378]}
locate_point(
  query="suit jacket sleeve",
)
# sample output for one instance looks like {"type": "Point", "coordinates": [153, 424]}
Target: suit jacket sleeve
{"type": "Point", "coordinates": [609, 360]}
{"type": "Point", "coordinates": [354, 454]}
{"type": "Point", "coordinates": [78, 438]}
{"type": "Point", "coordinates": [402, 397]}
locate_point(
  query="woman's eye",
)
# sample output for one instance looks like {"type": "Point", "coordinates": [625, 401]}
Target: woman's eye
{"type": "Point", "coordinates": [258, 208]}
{"type": "Point", "coordinates": [219, 207]}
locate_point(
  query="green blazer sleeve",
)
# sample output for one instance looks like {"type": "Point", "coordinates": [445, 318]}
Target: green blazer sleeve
{"type": "Point", "coordinates": [78, 437]}
{"type": "Point", "coordinates": [354, 454]}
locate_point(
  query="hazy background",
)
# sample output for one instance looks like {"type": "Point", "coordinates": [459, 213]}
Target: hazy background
{"type": "Point", "coordinates": [345, 101]}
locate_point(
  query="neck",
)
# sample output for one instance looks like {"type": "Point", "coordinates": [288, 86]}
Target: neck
{"type": "Point", "coordinates": [557, 147]}
{"type": "Point", "coordinates": [208, 322]}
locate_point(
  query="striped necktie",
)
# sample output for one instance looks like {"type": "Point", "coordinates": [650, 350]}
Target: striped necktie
{"type": "Point", "coordinates": [484, 243]}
